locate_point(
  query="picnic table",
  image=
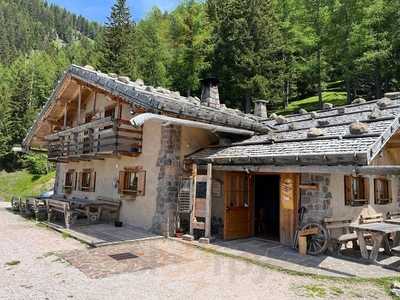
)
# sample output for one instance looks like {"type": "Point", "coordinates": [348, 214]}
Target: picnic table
{"type": "Point", "coordinates": [379, 233]}
{"type": "Point", "coordinates": [91, 209]}
{"type": "Point", "coordinates": [393, 221]}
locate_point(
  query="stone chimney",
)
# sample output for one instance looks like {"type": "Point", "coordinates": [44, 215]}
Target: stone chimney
{"type": "Point", "coordinates": [260, 108]}
{"type": "Point", "coordinates": [210, 93]}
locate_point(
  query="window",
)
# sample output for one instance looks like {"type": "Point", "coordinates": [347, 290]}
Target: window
{"type": "Point", "coordinates": [356, 190]}
{"type": "Point", "coordinates": [382, 191]}
{"type": "Point", "coordinates": [87, 180]}
{"type": "Point", "coordinates": [89, 118]}
{"type": "Point", "coordinates": [132, 182]}
{"type": "Point", "coordinates": [69, 183]}
{"type": "Point", "coordinates": [109, 112]}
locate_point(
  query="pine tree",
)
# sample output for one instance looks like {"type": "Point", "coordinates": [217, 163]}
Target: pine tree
{"type": "Point", "coordinates": [247, 53]}
{"type": "Point", "coordinates": [153, 48]}
{"type": "Point", "coordinates": [117, 54]}
{"type": "Point", "coordinates": [190, 35]}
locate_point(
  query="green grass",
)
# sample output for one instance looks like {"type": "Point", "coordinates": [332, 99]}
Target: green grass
{"type": "Point", "coordinates": [311, 103]}
{"type": "Point", "coordinates": [314, 291]}
{"type": "Point", "coordinates": [24, 184]}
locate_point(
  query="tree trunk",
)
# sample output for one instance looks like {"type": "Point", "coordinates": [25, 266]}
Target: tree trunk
{"type": "Point", "coordinates": [247, 104]}
{"type": "Point", "coordinates": [348, 90]}
{"type": "Point", "coordinates": [378, 84]}
{"type": "Point", "coordinates": [286, 93]}
{"type": "Point", "coordinates": [320, 101]}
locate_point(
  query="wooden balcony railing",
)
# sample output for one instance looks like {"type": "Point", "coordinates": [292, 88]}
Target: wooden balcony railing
{"type": "Point", "coordinates": [104, 137]}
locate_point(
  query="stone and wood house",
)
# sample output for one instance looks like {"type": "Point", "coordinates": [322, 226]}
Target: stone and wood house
{"type": "Point", "coordinates": [186, 162]}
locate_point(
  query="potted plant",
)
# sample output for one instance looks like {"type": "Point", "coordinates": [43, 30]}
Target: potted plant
{"type": "Point", "coordinates": [179, 232]}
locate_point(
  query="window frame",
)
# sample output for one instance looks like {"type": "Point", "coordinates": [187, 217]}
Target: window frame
{"type": "Point", "coordinates": [361, 182]}
{"type": "Point", "coordinates": [91, 180]}
{"type": "Point", "coordinates": [377, 199]}
{"type": "Point", "coordinates": [125, 180]}
{"type": "Point", "coordinates": [69, 176]}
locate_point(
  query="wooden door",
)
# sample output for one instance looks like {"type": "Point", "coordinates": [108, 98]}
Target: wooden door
{"type": "Point", "coordinates": [238, 199]}
{"type": "Point", "coordinates": [289, 187]}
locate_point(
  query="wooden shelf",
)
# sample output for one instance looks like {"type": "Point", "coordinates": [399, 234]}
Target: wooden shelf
{"type": "Point", "coordinates": [309, 186]}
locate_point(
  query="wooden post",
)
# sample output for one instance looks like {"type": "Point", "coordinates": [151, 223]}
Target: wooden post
{"type": "Point", "coordinates": [94, 103]}
{"type": "Point", "coordinates": [65, 114]}
{"type": "Point", "coordinates": [79, 105]}
{"type": "Point", "coordinates": [193, 196]}
{"type": "Point", "coordinates": [208, 201]}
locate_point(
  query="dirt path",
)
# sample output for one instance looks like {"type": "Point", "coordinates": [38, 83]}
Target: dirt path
{"type": "Point", "coordinates": [37, 263]}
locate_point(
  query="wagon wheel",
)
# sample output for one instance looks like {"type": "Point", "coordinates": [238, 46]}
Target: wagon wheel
{"type": "Point", "coordinates": [317, 243]}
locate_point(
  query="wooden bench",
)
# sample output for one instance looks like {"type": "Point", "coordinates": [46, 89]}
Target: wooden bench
{"type": "Point", "coordinates": [339, 234]}
{"type": "Point", "coordinates": [15, 203]}
{"type": "Point", "coordinates": [62, 207]}
{"type": "Point", "coordinates": [39, 208]}
{"type": "Point", "coordinates": [393, 215]}
{"type": "Point", "coordinates": [368, 219]}
{"type": "Point", "coordinates": [111, 206]}
{"type": "Point", "coordinates": [26, 207]}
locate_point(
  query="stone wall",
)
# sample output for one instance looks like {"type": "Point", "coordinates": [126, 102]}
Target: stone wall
{"type": "Point", "coordinates": [168, 180]}
{"type": "Point", "coordinates": [318, 203]}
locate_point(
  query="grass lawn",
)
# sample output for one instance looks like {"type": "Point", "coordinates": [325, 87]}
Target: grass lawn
{"type": "Point", "coordinates": [24, 184]}
{"type": "Point", "coordinates": [311, 103]}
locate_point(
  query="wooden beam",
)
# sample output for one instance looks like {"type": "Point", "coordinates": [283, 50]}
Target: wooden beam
{"type": "Point", "coordinates": [94, 102]}
{"type": "Point", "coordinates": [79, 104]}
{"type": "Point", "coordinates": [283, 169]}
{"type": "Point", "coordinates": [193, 196]}
{"type": "Point", "coordinates": [65, 114]}
{"type": "Point", "coordinates": [208, 201]}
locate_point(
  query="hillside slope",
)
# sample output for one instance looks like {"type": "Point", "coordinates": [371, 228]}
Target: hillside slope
{"type": "Point", "coordinates": [24, 184]}
{"type": "Point", "coordinates": [27, 25]}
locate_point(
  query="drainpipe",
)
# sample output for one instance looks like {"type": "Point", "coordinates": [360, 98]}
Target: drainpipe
{"type": "Point", "coordinates": [139, 120]}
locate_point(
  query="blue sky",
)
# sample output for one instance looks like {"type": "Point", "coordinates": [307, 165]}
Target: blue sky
{"type": "Point", "coordinates": [98, 10]}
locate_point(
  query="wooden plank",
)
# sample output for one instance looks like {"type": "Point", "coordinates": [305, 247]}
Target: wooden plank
{"type": "Point", "coordinates": [193, 196]}
{"type": "Point", "coordinates": [289, 185]}
{"type": "Point", "coordinates": [238, 213]}
{"type": "Point", "coordinates": [309, 186]}
{"type": "Point", "coordinates": [303, 245]}
{"type": "Point", "coordinates": [79, 104]}
{"type": "Point", "coordinates": [208, 202]}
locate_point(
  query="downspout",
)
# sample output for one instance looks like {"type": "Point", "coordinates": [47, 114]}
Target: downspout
{"type": "Point", "coordinates": [139, 120]}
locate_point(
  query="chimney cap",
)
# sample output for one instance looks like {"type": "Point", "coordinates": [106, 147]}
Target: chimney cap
{"type": "Point", "coordinates": [261, 101]}
{"type": "Point", "coordinates": [210, 79]}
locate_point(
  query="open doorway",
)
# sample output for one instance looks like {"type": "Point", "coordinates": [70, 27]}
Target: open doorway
{"type": "Point", "coordinates": [267, 207]}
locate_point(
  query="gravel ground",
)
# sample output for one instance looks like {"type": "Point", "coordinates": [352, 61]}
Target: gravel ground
{"type": "Point", "coordinates": [32, 267]}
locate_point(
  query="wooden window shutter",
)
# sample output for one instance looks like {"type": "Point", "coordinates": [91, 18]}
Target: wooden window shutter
{"type": "Point", "coordinates": [80, 181]}
{"type": "Point", "coordinates": [141, 189]}
{"type": "Point", "coordinates": [376, 196]}
{"type": "Point", "coordinates": [389, 182]}
{"type": "Point", "coordinates": [75, 179]}
{"type": "Point", "coordinates": [347, 190]}
{"type": "Point", "coordinates": [366, 188]}
{"type": "Point", "coordinates": [93, 183]}
{"type": "Point", "coordinates": [121, 181]}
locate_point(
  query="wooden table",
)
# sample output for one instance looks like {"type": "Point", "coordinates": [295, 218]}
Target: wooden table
{"type": "Point", "coordinates": [92, 209]}
{"type": "Point", "coordinates": [393, 221]}
{"type": "Point", "coordinates": [379, 233]}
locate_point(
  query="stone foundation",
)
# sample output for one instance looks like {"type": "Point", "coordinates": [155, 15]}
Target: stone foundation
{"type": "Point", "coordinates": [317, 202]}
{"type": "Point", "coordinates": [167, 181]}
